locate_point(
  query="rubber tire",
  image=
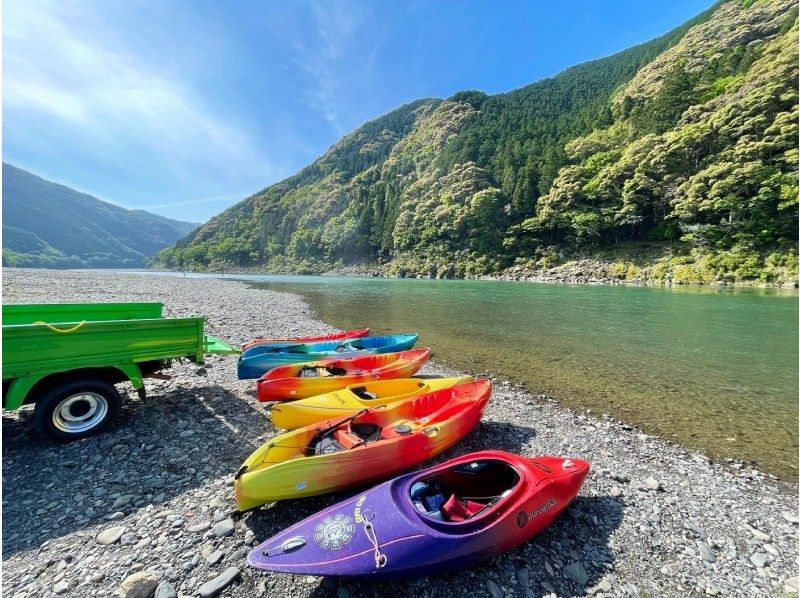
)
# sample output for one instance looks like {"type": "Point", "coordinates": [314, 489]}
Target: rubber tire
{"type": "Point", "coordinates": [43, 411]}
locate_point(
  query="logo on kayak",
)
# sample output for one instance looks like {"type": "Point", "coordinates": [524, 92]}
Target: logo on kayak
{"type": "Point", "coordinates": [300, 485]}
{"type": "Point", "coordinates": [523, 517]}
{"type": "Point", "coordinates": [334, 532]}
{"type": "Point", "coordinates": [357, 512]}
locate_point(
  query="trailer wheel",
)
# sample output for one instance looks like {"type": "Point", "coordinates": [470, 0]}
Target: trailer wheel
{"type": "Point", "coordinates": [77, 409]}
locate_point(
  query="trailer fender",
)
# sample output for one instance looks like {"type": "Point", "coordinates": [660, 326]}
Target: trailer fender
{"type": "Point", "coordinates": [18, 390]}
{"type": "Point", "coordinates": [133, 373]}
{"type": "Point", "coordinates": [20, 387]}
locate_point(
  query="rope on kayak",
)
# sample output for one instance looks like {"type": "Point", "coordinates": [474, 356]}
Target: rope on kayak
{"type": "Point", "coordinates": [62, 330]}
{"type": "Point", "coordinates": [380, 558]}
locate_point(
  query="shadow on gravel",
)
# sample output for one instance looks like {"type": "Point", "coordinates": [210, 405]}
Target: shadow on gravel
{"type": "Point", "coordinates": [580, 535]}
{"type": "Point", "coordinates": [176, 440]}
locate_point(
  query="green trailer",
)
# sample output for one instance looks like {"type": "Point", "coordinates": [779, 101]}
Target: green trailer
{"type": "Point", "coordinates": [66, 358]}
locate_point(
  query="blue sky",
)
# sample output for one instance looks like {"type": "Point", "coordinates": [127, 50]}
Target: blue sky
{"type": "Point", "coordinates": [185, 108]}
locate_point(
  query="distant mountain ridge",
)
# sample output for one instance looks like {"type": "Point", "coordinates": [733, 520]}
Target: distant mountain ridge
{"type": "Point", "coordinates": [49, 225]}
{"type": "Point", "coordinates": [674, 160]}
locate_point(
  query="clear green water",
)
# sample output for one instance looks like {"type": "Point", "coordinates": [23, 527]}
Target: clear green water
{"type": "Point", "coordinates": [713, 369]}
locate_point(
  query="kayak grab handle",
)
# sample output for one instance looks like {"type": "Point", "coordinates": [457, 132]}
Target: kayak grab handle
{"type": "Point", "coordinates": [288, 546]}
{"type": "Point", "coordinates": [430, 431]}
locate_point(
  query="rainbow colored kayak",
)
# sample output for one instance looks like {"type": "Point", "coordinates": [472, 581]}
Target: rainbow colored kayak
{"type": "Point", "coordinates": [304, 412]}
{"type": "Point", "coordinates": [449, 516]}
{"type": "Point", "coordinates": [366, 446]}
{"type": "Point", "coordinates": [308, 379]}
{"type": "Point", "coordinates": [257, 361]}
{"type": "Point", "coordinates": [333, 336]}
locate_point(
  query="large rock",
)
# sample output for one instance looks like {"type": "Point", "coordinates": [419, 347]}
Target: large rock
{"type": "Point", "coordinates": [219, 583]}
{"type": "Point", "coordinates": [142, 584]}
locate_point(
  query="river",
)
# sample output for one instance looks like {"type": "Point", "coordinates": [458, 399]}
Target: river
{"type": "Point", "coordinates": [712, 368]}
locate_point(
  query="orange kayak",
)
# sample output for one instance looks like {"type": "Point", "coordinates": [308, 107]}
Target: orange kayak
{"type": "Point", "coordinates": [303, 380]}
{"type": "Point", "coordinates": [333, 336]}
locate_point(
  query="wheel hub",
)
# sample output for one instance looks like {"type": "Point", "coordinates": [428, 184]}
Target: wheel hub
{"type": "Point", "coordinates": [80, 412]}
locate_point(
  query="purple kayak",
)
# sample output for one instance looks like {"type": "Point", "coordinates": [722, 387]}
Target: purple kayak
{"type": "Point", "coordinates": [424, 523]}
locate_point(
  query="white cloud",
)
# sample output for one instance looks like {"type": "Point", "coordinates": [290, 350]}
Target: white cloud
{"type": "Point", "coordinates": [61, 66]}
{"type": "Point", "coordinates": [192, 202]}
{"type": "Point", "coordinates": [320, 56]}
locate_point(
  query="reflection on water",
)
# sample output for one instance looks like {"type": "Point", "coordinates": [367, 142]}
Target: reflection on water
{"type": "Point", "coordinates": [713, 368]}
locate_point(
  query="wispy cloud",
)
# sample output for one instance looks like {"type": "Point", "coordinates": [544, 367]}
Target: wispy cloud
{"type": "Point", "coordinates": [62, 67]}
{"type": "Point", "coordinates": [322, 54]}
{"type": "Point", "coordinates": [192, 202]}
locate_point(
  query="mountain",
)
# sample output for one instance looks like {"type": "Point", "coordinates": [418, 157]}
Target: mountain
{"type": "Point", "coordinates": [675, 159]}
{"type": "Point", "coordinates": [47, 225]}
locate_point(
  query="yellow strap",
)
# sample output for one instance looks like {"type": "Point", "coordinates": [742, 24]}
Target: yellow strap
{"type": "Point", "coordinates": [63, 330]}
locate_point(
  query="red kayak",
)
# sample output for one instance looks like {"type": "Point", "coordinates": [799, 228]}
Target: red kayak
{"type": "Point", "coordinates": [312, 378]}
{"type": "Point", "coordinates": [333, 336]}
{"type": "Point", "coordinates": [427, 522]}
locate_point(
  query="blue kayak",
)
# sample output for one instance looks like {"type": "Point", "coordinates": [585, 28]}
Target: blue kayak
{"type": "Point", "coordinates": [258, 360]}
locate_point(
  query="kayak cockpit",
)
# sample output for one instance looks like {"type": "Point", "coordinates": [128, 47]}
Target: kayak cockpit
{"type": "Point", "coordinates": [344, 438]}
{"type": "Point", "coordinates": [465, 491]}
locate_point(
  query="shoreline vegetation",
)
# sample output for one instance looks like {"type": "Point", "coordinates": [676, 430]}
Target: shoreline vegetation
{"type": "Point", "coordinates": [581, 270]}
{"type": "Point", "coordinates": [654, 518]}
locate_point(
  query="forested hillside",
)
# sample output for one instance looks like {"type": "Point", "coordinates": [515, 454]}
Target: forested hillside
{"type": "Point", "coordinates": [674, 159]}
{"type": "Point", "coordinates": [47, 225]}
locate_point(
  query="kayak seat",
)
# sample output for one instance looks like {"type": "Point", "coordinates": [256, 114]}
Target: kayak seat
{"type": "Point", "coordinates": [362, 393]}
{"type": "Point", "coordinates": [336, 371]}
{"type": "Point", "coordinates": [357, 435]}
{"type": "Point", "coordinates": [458, 509]}
{"type": "Point", "coordinates": [366, 431]}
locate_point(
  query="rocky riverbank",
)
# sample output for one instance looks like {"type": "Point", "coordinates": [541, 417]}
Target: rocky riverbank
{"type": "Point", "coordinates": [144, 507]}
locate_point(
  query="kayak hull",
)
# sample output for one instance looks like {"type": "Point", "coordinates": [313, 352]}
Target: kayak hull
{"type": "Point", "coordinates": [333, 336]}
{"type": "Point", "coordinates": [284, 468]}
{"type": "Point", "coordinates": [305, 412]}
{"type": "Point", "coordinates": [379, 533]}
{"type": "Point", "coordinates": [287, 383]}
{"type": "Point", "coordinates": [258, 360]}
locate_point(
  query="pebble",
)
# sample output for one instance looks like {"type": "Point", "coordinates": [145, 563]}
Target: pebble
{"type": "Point", "coordinates": [494, 589]}
{"type": "Point", "coordinates": [759, 559]}
{"type": "Point", "coordinates": [199, 527]}
{"type": "Point", "coordinates": [110, 535]}
{"type": "Point", "coordinates": [122, 501]}
{"type": "Point", "coordinates": [141, 584]}
{"type": "Point", "coordinates": [705, 552]}
{"type": "Point", "coordinates": [61, 587]}
{"type": "Point", "coordinates": [219, 583]}
{"type": "Point", "coordinates": [577, 573]}
{"type": "Point", "coordinates": [224, 528]}
{"type": "Point", "coordinates": [165, 590]}
{"type": "Point", "coordinates": [652, 483]}
{"type": "Point", "coordinates": [791, 585]}
{"type": "Point", "coordinates": [215, 557]}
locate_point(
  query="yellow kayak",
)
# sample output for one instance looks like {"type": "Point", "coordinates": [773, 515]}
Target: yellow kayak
{"type": "Point", "coordinates": [354, 398]}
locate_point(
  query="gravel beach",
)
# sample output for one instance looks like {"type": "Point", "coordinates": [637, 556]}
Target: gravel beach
{"type": "Point", "coordinates": [145, 507]}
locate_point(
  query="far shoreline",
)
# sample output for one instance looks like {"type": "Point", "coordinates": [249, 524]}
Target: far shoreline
{"type": "Point", "coordinates": [531, 277]}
